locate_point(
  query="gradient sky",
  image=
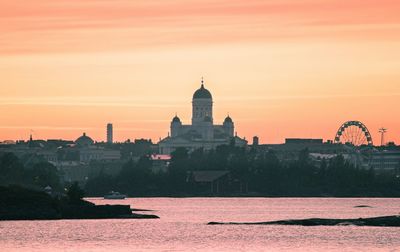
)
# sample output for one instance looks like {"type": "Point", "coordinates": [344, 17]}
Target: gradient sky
{"type": "Point", "coordinates": [280, 68]}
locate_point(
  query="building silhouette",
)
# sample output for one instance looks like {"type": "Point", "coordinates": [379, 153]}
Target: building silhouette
{"type": "Point", "coordinates": [109, 133]}
{"type": "Point", "coordinates": [202, 133]}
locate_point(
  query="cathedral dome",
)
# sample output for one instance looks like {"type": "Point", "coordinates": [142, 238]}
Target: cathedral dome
{"type": "Point", "coordinates": [176, 119]}
{"type": "Point", "coordinates": [84, 140]}
{"type": "Point", "coordinates": [202, 93]}
{"type": "Point", "coordinates": [228, 119]}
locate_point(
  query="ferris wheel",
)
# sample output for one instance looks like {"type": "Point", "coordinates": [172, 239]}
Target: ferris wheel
{"type": "Point", "coordinates": [354, 133]}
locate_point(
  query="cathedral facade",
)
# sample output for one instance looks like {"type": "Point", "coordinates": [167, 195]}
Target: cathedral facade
{"type": "Point", "coordinates": [202, 133]}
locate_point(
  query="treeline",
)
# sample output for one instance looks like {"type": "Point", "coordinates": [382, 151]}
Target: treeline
{"type": "Point", "coordinates": [262, 173]}
{"type": "Point", "coordinates": [36, 175]}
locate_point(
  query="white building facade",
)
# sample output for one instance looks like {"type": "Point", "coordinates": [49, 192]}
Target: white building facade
{"type": "Point", "coordinates": [202, 133]}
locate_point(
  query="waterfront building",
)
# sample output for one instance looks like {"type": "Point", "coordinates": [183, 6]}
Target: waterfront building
{"type": "Point", "coordinates": [160, 163]}
{"type": "Point", "coordinates": [93, 153]}
{"type": "Point", "coordinates": [385, 161]}
{"type": "Point", "coordinates": [89, 152]}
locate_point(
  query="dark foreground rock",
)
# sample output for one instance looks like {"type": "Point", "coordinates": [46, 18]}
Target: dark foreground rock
{"type": "Point", "coordinates": [18, 203]}
{"type": "Point", "coordinates": [91, 211]}
{"type": "Point", "coordinates": [382, 221]}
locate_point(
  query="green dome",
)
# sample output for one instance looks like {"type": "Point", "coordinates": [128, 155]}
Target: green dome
{"type": "Point", "coordinates": [84, 140]}
{"type": "Point", "coordinates": [228, 119]}
{"type": "Point", "coordinates": [176, 119]}
{"type": "Point", "coordinates": [202, 93]}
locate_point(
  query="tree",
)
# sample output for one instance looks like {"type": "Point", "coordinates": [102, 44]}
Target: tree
{"type": "Point", "coordinates": [100, 184]}
{"type": "Point", "coordinates": [177, 171]}
{"type": "Point", "coordinates": [11, 169]}
{"type": "Point", "coordinates": [75, 193]}
{"type": "Point", "coordinates": [44, 174]}
{"type": "Point", "coordinates": [179, 154]}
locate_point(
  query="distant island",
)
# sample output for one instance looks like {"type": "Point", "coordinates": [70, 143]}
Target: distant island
{"type": "Point", "coordinates": [17, 203]}
{"type": "Point", "coordinates": [381, 221]}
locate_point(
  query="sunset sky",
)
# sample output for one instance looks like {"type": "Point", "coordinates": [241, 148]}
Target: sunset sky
{"type": "Point", "coordinates": [280, 68]}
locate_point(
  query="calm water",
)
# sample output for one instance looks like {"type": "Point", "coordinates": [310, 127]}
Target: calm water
{"type": "Point", "coordinates": [182, 227]}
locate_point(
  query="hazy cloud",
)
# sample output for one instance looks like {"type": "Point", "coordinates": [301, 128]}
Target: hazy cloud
{"type": "Point", "coordinates": [91, 25]}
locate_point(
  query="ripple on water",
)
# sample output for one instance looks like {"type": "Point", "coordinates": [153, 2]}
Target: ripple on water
{"type": "Point", "coordinates": [182, 227]}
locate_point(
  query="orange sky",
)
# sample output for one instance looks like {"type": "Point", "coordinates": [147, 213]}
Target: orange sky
{"type": "Point", "coordinates": [280, 68]}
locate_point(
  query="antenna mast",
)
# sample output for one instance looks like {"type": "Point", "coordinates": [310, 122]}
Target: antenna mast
{"type": "Point", "coordinates": [382, 131]}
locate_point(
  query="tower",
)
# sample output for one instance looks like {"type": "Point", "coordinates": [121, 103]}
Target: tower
{"type": "Point", "coordinates": [255, 141]}
{"type": "Point", "coordinates": [382, 131]}
{"type": "Point", "coordinates": [202, 105]}
{"type": "Point", "coordinates": [109, 133]}
{"type": "Point", "coordinates": [176, 125]}
{"type": "Point", "coordinates": [228, 126]}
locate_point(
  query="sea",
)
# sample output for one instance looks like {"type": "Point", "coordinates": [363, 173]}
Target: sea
{"type": "Point", "coordinates": [183, 227]}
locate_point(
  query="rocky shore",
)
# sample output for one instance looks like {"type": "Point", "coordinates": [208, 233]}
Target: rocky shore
{"type": "Point", "coordinates": [17, 203]}
{"type": "Point", "coordinates": [381, 221]}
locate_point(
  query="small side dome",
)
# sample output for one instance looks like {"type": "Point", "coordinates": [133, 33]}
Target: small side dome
{"type": "Point", "coordinates": [228, 119]}
{"type": "Point", "coordinates": [176, 119]}
{"type": "Point", "coordinates": [84, 140]}
{"type": "Point", "coordinates": [202, 93]}
{"type": "Point", "coordinates": [207, 119]}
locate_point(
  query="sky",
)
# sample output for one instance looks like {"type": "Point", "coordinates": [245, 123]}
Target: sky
{"type": "Point", "coordinates": [279, 68]}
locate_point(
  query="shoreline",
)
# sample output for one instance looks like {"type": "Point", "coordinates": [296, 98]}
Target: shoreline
{"type": "Point", "coordinates": [18, 203]}
{"type": "Point", "coordinates": [133, 216]}
{"type": "Point", "coordinates": [380, 221]}
{"type": "Point", "coordinates": [248, 196]}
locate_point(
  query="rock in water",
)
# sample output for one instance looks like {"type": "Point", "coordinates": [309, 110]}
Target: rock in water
{"type": "Point", "coordinates": [381, 221]}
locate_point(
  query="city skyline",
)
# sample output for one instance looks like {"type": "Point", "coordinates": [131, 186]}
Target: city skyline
{"type": "Point", "coordinates": [279, 69]}
{"type": "Point", "coordinates": [109, 133]}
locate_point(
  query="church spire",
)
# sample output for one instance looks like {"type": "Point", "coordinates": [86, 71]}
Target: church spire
{"type": "Point", "coordinates": [202, 82]}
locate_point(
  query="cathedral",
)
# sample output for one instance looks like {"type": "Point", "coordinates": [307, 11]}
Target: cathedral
{"type": "Point", "coordinates": [202, 133]}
